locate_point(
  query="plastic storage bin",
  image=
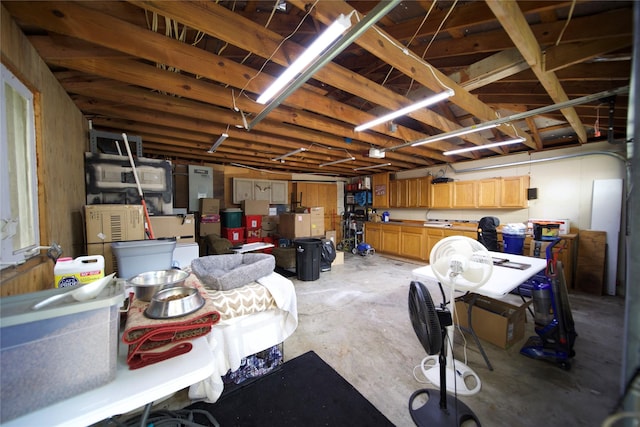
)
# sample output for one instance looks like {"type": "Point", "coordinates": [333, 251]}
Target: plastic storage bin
{"type": "Point", "coordinates": [513, 243]}
{"type": "Point", "coordinates": [308, 253]}
{"type": "Point", "coordinates": [513, 238]}
{"type": "Point", "coordinates": [232, 218]}
{"type": "Point", "coordinates": [57, 352]}
{"type": "Point", "coordinates": [140, 256]}
{"type": "Point", "coordinates": [234, 235]}
{"type": "Point", "coordinates": [252, 222]}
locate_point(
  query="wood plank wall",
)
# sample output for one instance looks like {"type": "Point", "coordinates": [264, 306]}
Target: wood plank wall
{"type": "Point", "coordinates": [62, 139]}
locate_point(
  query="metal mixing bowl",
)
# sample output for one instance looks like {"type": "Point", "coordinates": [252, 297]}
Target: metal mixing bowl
{"type": "Point", "coordinates": [174, 302]}
{"type": "Point", "coordinates": [147, 284]}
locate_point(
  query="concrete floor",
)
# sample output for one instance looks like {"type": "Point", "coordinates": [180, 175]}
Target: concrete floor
{"type": "Point", "coordinates": [356, 318]}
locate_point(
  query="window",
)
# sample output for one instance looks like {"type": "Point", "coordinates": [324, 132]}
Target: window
{"type": "Point", "coordinates": [19, 225]}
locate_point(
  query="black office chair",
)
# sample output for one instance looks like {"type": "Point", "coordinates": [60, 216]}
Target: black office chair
{"type": "Point", "coordinates": [487, 234]}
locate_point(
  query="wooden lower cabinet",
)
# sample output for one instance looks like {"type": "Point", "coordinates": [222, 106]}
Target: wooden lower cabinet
{"type": "Point", "coordinates": [373, 235]}
{"type": "Point", "coordinates": [413, 243]}
{"type": "Point", "coordinates": [434, 235]}
{"type": "Point", "coordinates": [390, 239]}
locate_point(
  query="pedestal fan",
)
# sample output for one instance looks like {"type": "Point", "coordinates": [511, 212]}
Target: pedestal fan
{"type": "Point", "coordinates": [460, 263]}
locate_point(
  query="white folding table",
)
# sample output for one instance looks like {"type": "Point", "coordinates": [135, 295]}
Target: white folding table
{"type": "Point", "coordinates": [131, 389]}
{"type": "Point", "coordinates": [502, 281]}
{"type": "Point", "coordinates": [250, 247]}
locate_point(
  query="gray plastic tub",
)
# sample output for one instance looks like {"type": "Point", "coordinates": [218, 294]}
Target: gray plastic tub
{"type": "Point", "coordinates": [139, 256]}
{"type": "Point", "coordinates": [58, 351]}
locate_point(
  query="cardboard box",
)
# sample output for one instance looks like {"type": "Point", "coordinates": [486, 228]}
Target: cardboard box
{"type": "Point", "coordinates": [294, 225]}
{"type": "Point", "coordinates": [113, 223]}
{"type": "Point", "coordinates": [255, 207]}
{"type": "Point", "coordinates": [317, 212]}
{"type": "Point", "coordinates": [331, 235]}
{"type": "Point", "coordinates": [182, 227]}
{"type": "Point", "coordinates": [339, 258]}
{"type": "Point", "coordinates": [104, 249]}
{"type": "Point", "coordinates": [538, 248]}
{"type": "Point", "coordinates": [564, 224]}
{"type": "Point", "coordinates": [209, 206]}
{"type": "Point", "coordinates": [207, 228]}
{"type": "Point", "coordinates": [317, 221]}
{"type": "Point", "coordinates": [269, 225]}
{"type": "Point", "coordinates": [495, 321]}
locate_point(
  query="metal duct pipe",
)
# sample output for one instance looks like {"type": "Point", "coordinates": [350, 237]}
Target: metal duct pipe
{"type": "Point", "coordinates": [519, 116]}
{"type": "Point", "coordinates": [548, 159]}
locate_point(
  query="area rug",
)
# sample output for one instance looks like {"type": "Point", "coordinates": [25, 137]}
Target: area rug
{"type": "Point", "coordinates": [304, 391]}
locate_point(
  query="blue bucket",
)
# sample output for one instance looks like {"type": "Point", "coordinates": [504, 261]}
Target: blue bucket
{"type": "Point", "coordinates": [513, 243]}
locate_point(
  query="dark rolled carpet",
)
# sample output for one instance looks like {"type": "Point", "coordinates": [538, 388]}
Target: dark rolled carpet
{"type": "Point", "coordinates": [285, 271]}
{"type": "Point", "coordinates": [304, 391]}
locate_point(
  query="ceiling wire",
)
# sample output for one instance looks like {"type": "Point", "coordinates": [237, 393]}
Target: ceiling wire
{"type": "Point", "coordinates": [566, 24]}
{"type": "Point", "coordinates": [408, 52]}
{"type": "Point", "coordinates": [424, 53]}
{"type": "Point", "coordinates": [233, 9]}
{"type": "Point", "coordinates": [415, 34]}
{"type": "Point", "coordinates": [278, 47]}
{"type": "Point", "coordinates": [266, 25]}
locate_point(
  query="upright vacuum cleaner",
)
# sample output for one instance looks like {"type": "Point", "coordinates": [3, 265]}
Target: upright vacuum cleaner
{"type": "Point", "coordinates": [554, 324]}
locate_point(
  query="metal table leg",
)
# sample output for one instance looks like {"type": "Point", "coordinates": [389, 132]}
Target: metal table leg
{"type": "Point", "coordinates": [469, 329]}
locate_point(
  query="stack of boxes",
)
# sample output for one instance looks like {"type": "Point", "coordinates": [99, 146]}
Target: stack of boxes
{"type": "Point", "coordinates": [209, 217]}
{"type": "Point", "coordinates": [106, 224]}
{"type": "Point", "coordinates": [307, 224]}
{"type": "Point", "coordinates": [253, 213]}
{"type": "Point", "coordinates": [253, 226]}
{"type": "Point", "coordinates": [232, 228]}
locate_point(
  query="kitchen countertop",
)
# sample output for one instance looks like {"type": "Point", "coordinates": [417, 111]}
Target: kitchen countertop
{"type": "Point", "coordinates": [453, 225]}
{"type": "Point", "coordinates": [462, 226]}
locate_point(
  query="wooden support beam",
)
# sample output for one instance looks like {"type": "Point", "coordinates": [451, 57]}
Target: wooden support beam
{"type": "Point", "coordinates": [514, 23]}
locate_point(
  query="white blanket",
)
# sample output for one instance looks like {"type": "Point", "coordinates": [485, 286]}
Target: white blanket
{"type": "Point", "coordinates": [233, 339]}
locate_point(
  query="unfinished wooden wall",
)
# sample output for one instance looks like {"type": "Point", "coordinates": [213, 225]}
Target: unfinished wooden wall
{"type": "Point", "coordinates": [62, 139]}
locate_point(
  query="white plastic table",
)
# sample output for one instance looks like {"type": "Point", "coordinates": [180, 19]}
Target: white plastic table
{"type": "Point", "coordinates": [250, 247]}
{"type": "Point", "coordinates": [502, 281]}
{"type": "Point", "coordinates": [131, 389]}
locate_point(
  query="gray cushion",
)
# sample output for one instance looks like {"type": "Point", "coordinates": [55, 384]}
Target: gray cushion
{"type": "Point", "coordinates": [225, 272]}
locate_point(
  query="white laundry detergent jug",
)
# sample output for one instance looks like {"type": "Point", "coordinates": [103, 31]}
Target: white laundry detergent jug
{"type": "Point", "coordinates": [78, 271]}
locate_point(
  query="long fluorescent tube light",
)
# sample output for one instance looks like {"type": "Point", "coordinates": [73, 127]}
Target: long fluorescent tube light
{"type": "Point", "coordinates": [463, 131]}
{"type": "Point", "coordinates": [406, 110]}
{"type": "Point", "coordinates": [299, 150]}
{"type": "Point", "coordinates": [313, 51]}
{"type": "Point", "coordinates": [372, 167]}
{"type": "Point", "coordinates": [218, 142]}
{"type": "Point", "coordinates": [374, 15]}
{"type": "Point", "coordinates": [480, 147]}
{"type": "Point", "coordinates": [335, 162]}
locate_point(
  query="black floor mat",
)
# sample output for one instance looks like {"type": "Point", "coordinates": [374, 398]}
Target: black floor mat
{"type": "Point", "coordinates": [304, 391]}
{"type": "Point", "coordinates": [285, 272]}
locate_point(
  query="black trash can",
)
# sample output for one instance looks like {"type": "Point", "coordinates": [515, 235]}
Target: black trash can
{"type": "Point", "coordinates": [308, 258]}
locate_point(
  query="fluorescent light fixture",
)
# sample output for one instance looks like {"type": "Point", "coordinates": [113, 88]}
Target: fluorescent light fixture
{"type": "Point", "coordinates": [299, 150]}
{"type": "Point", "coordinates": [406, 110]}
{"type": "Point", "coordinates": [218, 142]}
{"type": "Point", "coordinates": [335, 162]}
{"type": "Point", "coordinates": [460, 132]}
{"type": "Point", "coordinates": [480, 147]}
{"type": "Point", "coordinates": [376, 153]}
{"type": "Point", "coordinates": [372, 167]}
{"type": "Point", "coordinates": [313, 51]}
